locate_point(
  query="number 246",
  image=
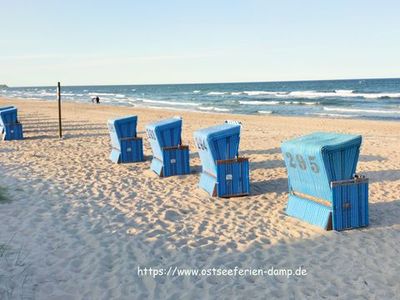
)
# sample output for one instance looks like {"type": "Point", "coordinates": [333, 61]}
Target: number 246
{"type": "Point", "coordinates": [299, 160]}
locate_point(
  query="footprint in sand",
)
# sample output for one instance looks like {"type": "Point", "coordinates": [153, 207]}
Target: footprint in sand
{"type": "Point", "coordinates": [172, 215]}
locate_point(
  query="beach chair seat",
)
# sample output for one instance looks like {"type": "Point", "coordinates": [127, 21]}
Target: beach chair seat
{"type": "Point", "coordinates": [170, 157]}
{"type": "Point", "coordinates": [126, 146]}
{"type": "Point", "coordinates": [323, 187]}
{"type": "Point", "coordinates": [224, 172]}
{"type": "Point", "coordinates": [9, 125]}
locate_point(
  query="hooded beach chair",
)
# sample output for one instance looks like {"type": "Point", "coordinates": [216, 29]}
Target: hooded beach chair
{"type": "Point", "coordinates": [126, 145]}
{"type": "Point", "coordinates": [9, 125]}
{"type": "Point", "coordinates": [4, 108]}
{"type": "Point", "coordinates": [323, 187]}
{"type": "Point", "coordinates": [170, 157]}
{"type": "Point", "coordinates": [224, 173]}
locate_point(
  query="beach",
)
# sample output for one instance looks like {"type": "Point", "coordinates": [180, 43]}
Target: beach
{"type": "Point", "coordinates": [77, 226]}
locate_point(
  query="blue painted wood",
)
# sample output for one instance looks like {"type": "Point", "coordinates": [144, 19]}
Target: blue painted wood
{"type": "Point", "coordinates": [215, 145]}
{"type": "Point", "coordinates": [131, 150]}
{"type": "Point", "coordinates": [175, 161]}
{"type": "Point", "coordinates": [350, 206]}
{"type": "Point", "coordinates": [309, 211]}
{"type": "Point", "coordinates": [233, 178]}
{"type": "Point", "coordinates": [126, 146]}
{"type": "Point", "coordinates": [314, 162]}
{"type": "Point", "coordinates": [13, 132]}
{"type": "Point", "coordinates": [209, 183]}
{"type": "Point", "coordinates": [169, 156]}
{"type": "Point", "coordinates": [9, 125]}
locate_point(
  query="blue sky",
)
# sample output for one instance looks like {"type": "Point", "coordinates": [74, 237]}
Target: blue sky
{"type": "Point", "coordinates": [137, 42]}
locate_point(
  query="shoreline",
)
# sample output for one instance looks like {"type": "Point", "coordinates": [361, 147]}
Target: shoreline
{"type": "Point", "coordinates": [174, 109]}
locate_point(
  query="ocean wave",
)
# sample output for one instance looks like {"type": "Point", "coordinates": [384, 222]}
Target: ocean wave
{"type": "Point", "coordinates": [168, 102]}
{"type": "Point", "coordinates": [343, 94]}
{"type": "Point", "coordinates": [196, 92]}
{"type": "Point", "coordinates": [319, 94]}
{"type": "Point", "coordinates": [101, 94]}
{"type": "Point", "coordinates": [301, 102]}
{"type": "Point", "coordinates": [259, 102]}
{"type": "Point", "coordinates": [167, 108]}
{"type": "Point", "coordinates": [206, 107]}
{"type": "Point", "coordinates": [212, 108]}
{"type": "Point", "coordinates": [357, 110]}
{"type": "Point", "coordinates": [265, 111]}
{"type": "Point", "coordinates": [255, 102]}
{"type": "Point", "coordinates": [257, 93]}
{"type": "Point", "coordinates": [43, 94]}
{"type": "Point", "coordinates": [216, 93]}
{"type": "Point", "coordinates": [334, 115]}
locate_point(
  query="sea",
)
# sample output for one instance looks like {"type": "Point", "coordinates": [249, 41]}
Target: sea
{"type": "Point", "coordinates": [360, 99]}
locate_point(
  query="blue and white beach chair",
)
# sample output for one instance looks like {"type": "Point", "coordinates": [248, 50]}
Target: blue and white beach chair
{"type": "Point", "coordinates": [126, 145]}
{"type": "Point", "coordinates": [323, 187]}
{"type": "Point", "coordinates": [224, 173]}
{"type": "Point", "coordinates": [9, 125]}
{"type": "Point", "coordinates": [170, 157]}
{"type": "Point", "coordinates": [4, 108]}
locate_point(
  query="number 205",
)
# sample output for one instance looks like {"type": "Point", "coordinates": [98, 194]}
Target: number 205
{"type": "Point", "coordinates": [298, 160]}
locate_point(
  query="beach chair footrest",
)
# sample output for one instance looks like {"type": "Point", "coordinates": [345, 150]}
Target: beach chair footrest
{"type": "Point", "coordinates": [310, 211]}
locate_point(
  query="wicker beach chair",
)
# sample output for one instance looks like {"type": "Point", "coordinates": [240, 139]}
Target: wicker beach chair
{"type": "Point", "coordinates": [170, 157]}
{"type": "Point", "coordinates": [224, 173]}
{"type": "Point", "coordinates": [9, 124]}
{"type": "Point", "coordinates": [323, 187]}
{"type": "Point", "coordinates": [126, 145]}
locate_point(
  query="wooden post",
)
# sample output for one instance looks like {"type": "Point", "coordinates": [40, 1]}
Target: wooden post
{"type": "Point", "coordinates": [59, 110]}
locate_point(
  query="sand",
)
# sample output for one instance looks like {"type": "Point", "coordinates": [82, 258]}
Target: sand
{"type": "Point", "coordinates": [78, 226]}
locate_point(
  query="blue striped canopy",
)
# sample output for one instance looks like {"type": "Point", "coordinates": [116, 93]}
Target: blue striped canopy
{"type": "Point", "coordinates": [314, 161]}
{"type": "Point", "coordinates": [124, 127]}
{"type": "Point", "coordinates": [164, 133]}
{"type": "Point", "coordinates": [217, 143]}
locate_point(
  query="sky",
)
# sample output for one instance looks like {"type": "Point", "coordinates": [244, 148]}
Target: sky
{"type": "Point", "coordinates": [185, 41]}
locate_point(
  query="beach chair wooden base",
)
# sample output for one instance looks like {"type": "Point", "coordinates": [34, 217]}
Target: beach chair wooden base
{"type": "Point", "coordinates": [232, 179]}
{"type": "Point", "coordinates": [12, 132]}
{"type": "Point", "coordinates": [131, 151]}
{"type": "Point", "coordinates": [348, 208]}
{"type": "Point", "coordinates": [175, 161]}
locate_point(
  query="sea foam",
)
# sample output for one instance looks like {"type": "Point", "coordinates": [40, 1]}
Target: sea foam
{"type": "Point", "coordinates": [357, 110]}
{"type": "Point", "coordinates": [168, 102]}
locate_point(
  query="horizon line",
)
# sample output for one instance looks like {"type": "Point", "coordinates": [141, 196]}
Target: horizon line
{"type": "Point", "coordinates": [205, 83]}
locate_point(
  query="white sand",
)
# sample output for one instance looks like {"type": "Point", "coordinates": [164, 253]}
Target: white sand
{"type": "Point", "coordinates": [84, 225]}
